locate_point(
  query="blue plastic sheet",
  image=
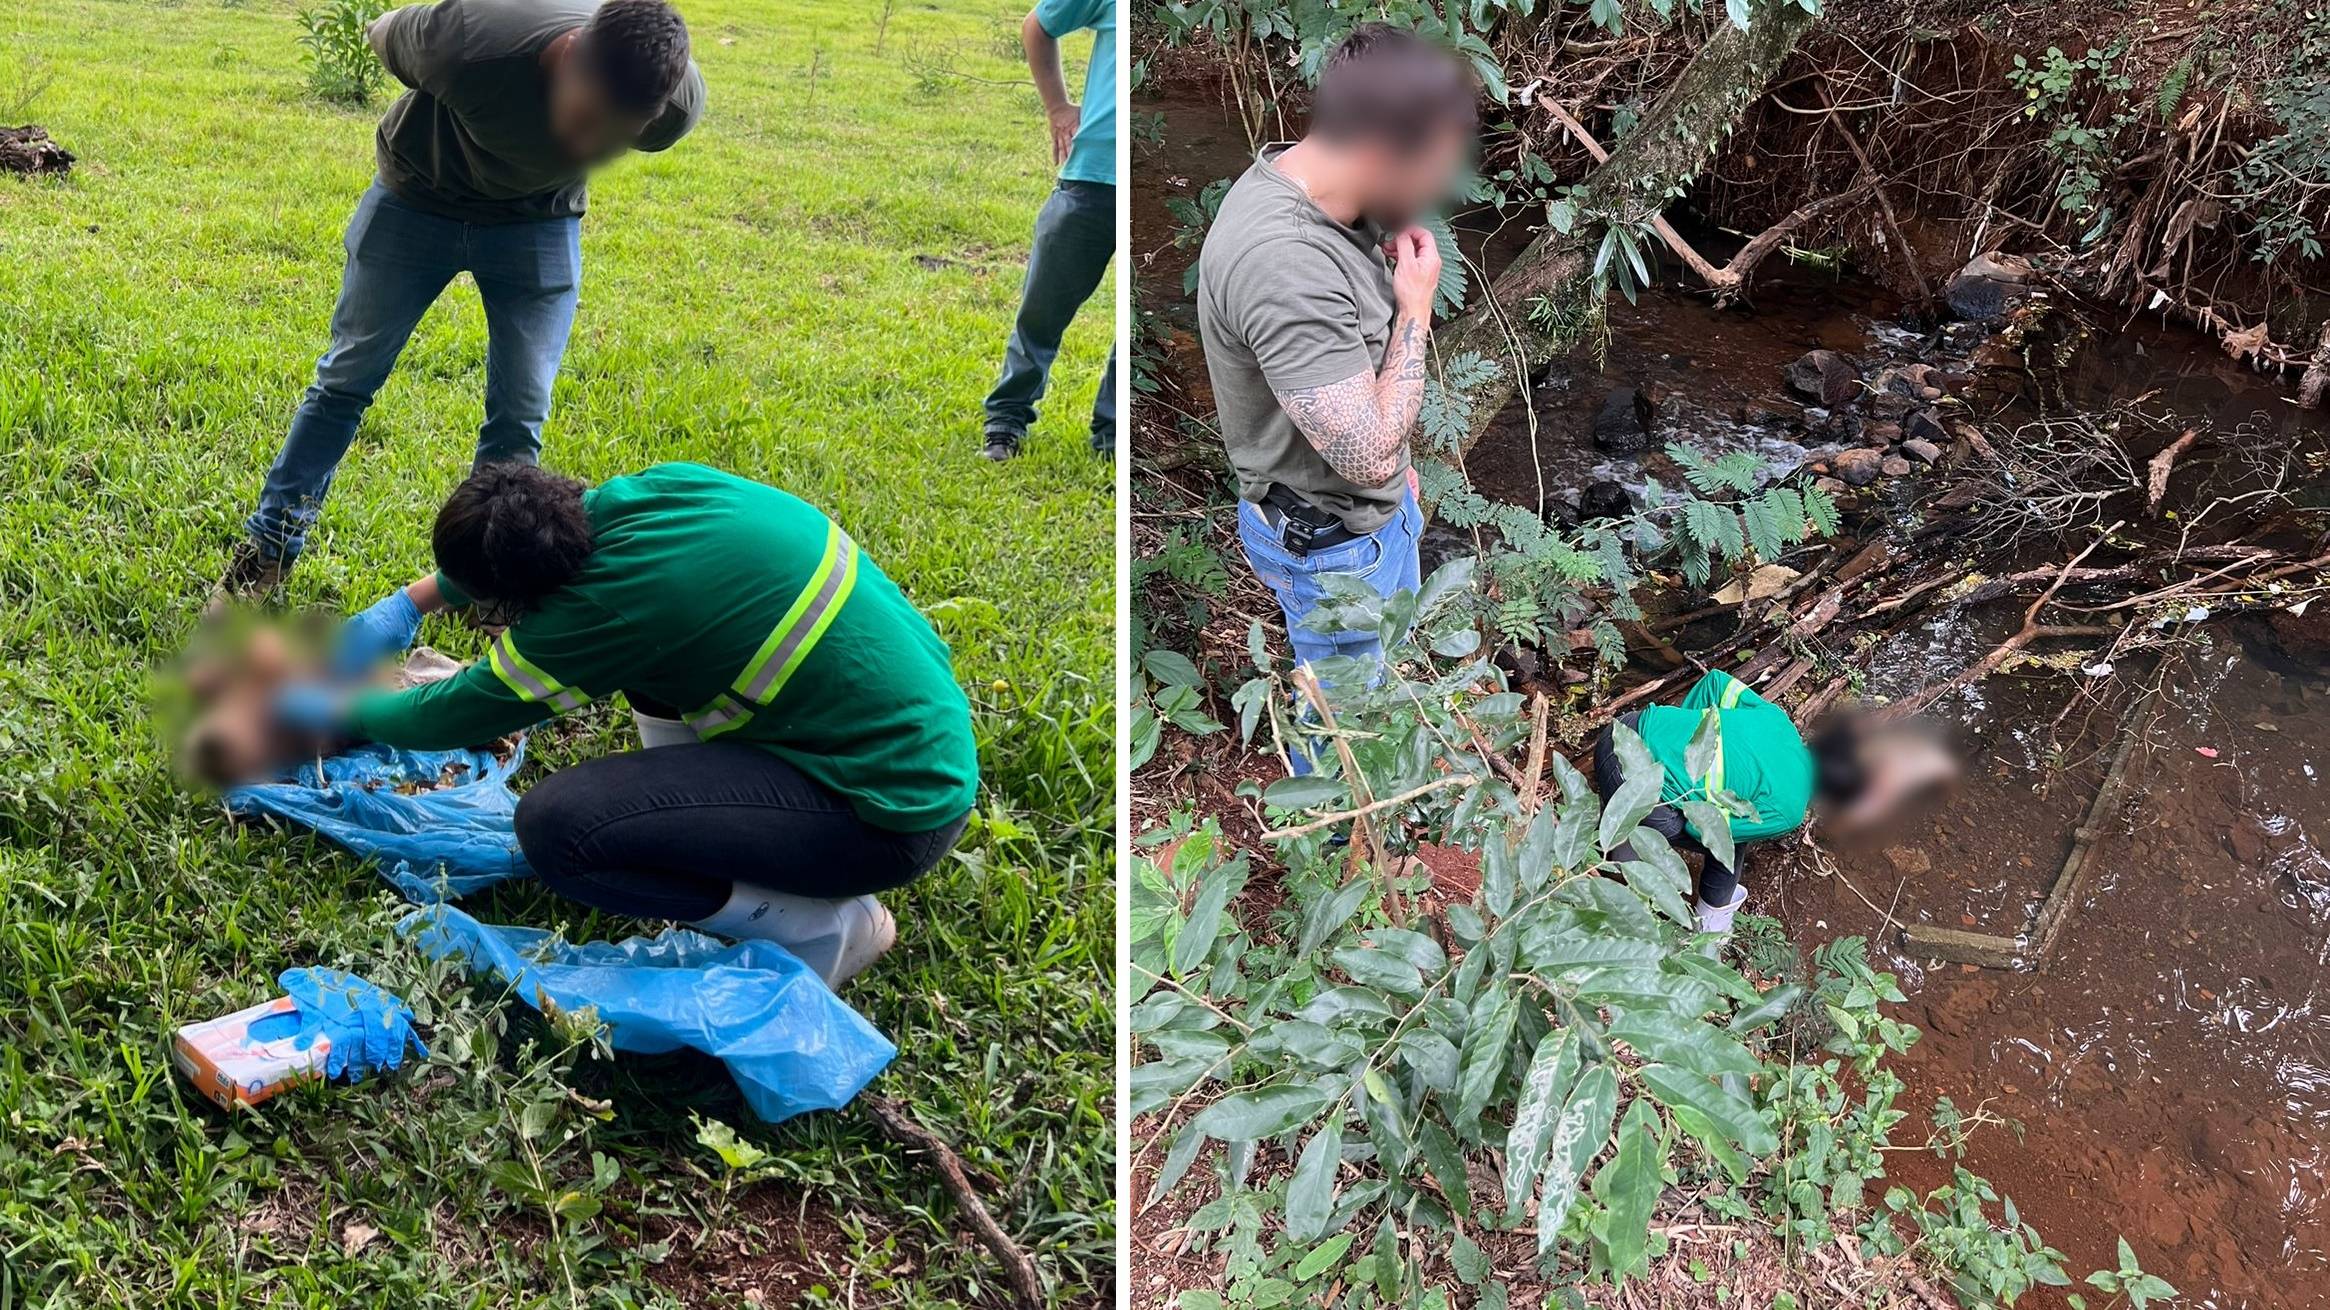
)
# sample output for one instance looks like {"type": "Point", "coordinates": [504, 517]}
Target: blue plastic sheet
{"type": "Point", "coordinates": [433, 845]}
{"type": "Point", "coordinates": [370, 1030]}
{"type": "Point", "coordinates": [791, 1044]}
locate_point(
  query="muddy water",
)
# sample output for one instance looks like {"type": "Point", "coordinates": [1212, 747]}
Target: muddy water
{"type": "Point", "coordinates": [2167, 1077]}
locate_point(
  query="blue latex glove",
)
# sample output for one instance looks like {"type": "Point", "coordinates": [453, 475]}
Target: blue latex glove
{"type": "Point", "coordinates": [369, 1029]}
{"type": "Point", "coordinates": [312, 707]}
{"type": "Point", "coordinates": [386, 628]}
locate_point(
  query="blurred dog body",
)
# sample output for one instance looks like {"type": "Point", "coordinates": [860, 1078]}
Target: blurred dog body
{"type": "Point", "coordinates": [230, 682]}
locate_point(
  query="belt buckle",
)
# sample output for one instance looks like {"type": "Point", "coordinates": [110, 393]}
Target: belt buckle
{"type": "Point", "coordinates": [1297, 536]}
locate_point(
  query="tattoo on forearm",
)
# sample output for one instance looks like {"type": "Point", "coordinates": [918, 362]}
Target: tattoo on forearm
{"type": "Point", "coordinates": [1360, 425]}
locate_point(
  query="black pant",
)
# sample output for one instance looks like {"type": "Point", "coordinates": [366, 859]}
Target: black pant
{"type": "Point", "coordinates": [664, 833]}
{"type": "Point", "coordinates": [1075, 238]}
{"type": "Point", "coordinates": [1718, 882]}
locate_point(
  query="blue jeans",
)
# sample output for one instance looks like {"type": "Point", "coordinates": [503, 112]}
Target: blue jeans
{"type": "Point", "coordinates": [1385, 559]}
{"type": "Point", "coordinates": [400, 259]}
{"type": "Point", "coordinates": [1075, 239]}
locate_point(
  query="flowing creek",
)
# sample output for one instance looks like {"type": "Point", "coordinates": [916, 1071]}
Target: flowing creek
{"type": "Point", "coordinates": [2167, 1076]}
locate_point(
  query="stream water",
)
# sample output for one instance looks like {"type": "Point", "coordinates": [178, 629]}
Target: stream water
{"type": "Point", "coordinates": [2167, 1076]}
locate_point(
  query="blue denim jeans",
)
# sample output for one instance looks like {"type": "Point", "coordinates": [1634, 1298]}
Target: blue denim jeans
{"type": "Point", "coordinates": [1075, 239]}
{"type": "Point", "coordinates": [1385, 559]}
{"type": "Point", "coordinates": [400, 259]}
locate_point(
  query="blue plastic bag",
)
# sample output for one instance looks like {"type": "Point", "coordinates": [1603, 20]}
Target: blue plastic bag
{"type": "Point", "coordinates": [433, 845]}
{"type": "Point", "coordinates": [791, 1044]}
{"type": "Point", "coordinates": [370, 1030]}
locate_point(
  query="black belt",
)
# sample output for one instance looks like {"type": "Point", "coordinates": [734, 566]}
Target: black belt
{"type": "Point", "coordinates": [1301, 526]}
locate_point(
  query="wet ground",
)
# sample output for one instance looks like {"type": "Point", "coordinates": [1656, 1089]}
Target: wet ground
{"type": "Point", "coordinates": [2167, 1076]}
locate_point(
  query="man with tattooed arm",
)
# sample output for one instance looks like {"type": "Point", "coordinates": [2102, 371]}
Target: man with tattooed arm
{"type": "Point", "coordinates": [1314, 294]}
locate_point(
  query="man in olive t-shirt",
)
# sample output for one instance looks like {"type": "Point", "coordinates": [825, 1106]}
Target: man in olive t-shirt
{"type": "Point", "coordinates": [482, 166]}
{"type": "Point", "coordinates": [1315, 343]}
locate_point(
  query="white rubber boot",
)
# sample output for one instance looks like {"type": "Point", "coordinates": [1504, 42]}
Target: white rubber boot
{"type": "Point", "coordinates": [654, 732]}
{"type": "Point", "coordinates": [1717, 918]}
{"type": "Point", "coordinates": [836, 939]}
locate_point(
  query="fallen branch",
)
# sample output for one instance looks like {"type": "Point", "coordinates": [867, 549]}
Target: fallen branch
{"type": "Point", "coordinates": [1369, 847]}
{"type": "Point", "coordinates": [2156, 473]}
{"type": "Point", "coordinates": [2032, 630]}
{"type": "Point", "coordinates": [1535, 769]}
{"type": "Point", "coordinates": [1027, 1286]}
{"type": "Point", "coordinates": [1708, 273]}
{"type": "Point", "coordinates": [1730, 281]}
{"type": "Point", "coordinates": [1386, 803]}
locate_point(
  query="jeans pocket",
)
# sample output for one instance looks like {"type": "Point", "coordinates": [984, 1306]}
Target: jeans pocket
{"type": "Point", "coordinates": [1359, 558]}
{"type": "Point", "coordinates": [1264, 554]}
{"type": "Point", "coordinates": [558, 255]}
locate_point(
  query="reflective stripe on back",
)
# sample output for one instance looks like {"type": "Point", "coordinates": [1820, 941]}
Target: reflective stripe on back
{"type": "Point", "coordinates": [1731, 694]}
{"type": "Point", "coordinates": [798, 632]}
{"type": "Point", "coordinates": [789, 642]}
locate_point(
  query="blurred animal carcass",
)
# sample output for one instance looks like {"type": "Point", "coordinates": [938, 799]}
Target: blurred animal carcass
{"type": "Point", "coordinates": [230, 681]}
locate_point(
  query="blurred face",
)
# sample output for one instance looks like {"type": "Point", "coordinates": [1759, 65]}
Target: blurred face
{"type": "Point", "coordinates": [1906, 765]}
{"type": "Point", "coordinates": [586, 125]}
{"type": "Point", "coordinates": [1404, 186]}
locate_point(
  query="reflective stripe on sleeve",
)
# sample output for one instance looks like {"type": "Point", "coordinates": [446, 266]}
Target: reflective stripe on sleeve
{"type": "Point", "coordinates": [529, 681]}
{"type": "Point", "coordinates": [1732, 691]}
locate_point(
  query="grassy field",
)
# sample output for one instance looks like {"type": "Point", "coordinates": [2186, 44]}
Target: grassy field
{"type": "Point", "coordinates": [812, 290]}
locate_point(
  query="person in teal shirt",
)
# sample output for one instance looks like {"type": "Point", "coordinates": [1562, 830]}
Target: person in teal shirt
{"type": "Point", "coordinates": [1075, 231]}
{"type": "Point", "coordinates": [1856, 769]}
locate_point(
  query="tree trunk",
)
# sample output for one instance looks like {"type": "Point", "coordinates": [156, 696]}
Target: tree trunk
{"type": "Point", "coordinates": [1657, 157]}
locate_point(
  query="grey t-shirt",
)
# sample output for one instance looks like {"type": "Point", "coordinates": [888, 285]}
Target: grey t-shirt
{"type": "Point", "coordinates": [471, 139]}
{"type": "Point", "coordinates": [1287, 298]}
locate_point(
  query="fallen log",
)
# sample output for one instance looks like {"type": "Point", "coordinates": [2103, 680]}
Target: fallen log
{"type": "Point", "coordinates": [2030, 949]}
{"type": "Point", "coordinates": [1669, 145]}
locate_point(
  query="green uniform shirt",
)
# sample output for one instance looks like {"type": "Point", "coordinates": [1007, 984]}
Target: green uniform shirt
{"type": "Point", "coordinates": [471, 140]}
{"type": "Point", "coordinates": [1764, 762]}
{"type": "Point", "coordinates": [692, 572]}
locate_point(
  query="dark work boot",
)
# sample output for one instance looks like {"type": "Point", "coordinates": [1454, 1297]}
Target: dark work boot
{"type": "Point", "coordinates": [1001, 445]}
{"type": "Point", "coordinates": [251, 574]}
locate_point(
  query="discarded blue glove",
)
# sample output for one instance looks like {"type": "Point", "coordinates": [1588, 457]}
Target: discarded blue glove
{"type": "Point", "coordinates": [369, 1029]}
{"type": "Point", "coordinates": [384, 628]}
{"type": "Point", "coordinates": [312, 707]}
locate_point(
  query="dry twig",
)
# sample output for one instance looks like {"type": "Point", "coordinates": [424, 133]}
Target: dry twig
{"type": "Point", "coordinates": [1026, 1285]}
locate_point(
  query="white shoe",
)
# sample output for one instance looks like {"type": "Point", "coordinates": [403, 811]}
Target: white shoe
{"type": "Point", "coordinates": [654, 732]}
{"type": "Point", "coordinates": [836, 939]}
{"type": "Point", "coordinates": [1717, 918]}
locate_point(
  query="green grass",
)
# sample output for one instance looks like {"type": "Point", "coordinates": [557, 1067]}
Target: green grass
{"type": "Point", "coordinates": [812, 290]}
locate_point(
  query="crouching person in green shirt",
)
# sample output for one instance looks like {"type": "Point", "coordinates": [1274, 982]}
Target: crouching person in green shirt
{"type": "Point", "coordinates": [1858, 774]}
{"type": "Point", "coordinates": [820, 749]}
